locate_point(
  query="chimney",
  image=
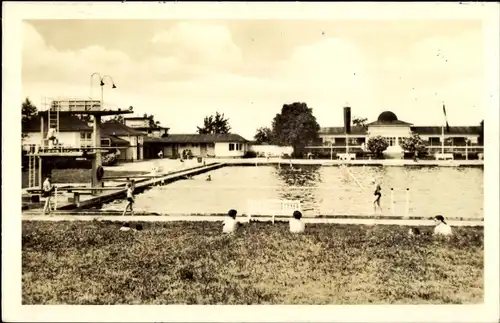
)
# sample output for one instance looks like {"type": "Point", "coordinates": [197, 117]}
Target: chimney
{"type": "Point", "coordinates": [347, 119]}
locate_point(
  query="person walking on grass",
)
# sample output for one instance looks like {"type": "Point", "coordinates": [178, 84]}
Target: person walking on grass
{"type": "Point", "coordinates": [378, 195]}
{"type": "Point", "coordinates": [47, 193]}
{"type": "Point", "coordinates": [130, 199]}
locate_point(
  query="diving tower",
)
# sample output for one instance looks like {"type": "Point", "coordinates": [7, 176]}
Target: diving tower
{"type": "Point", "coordinates": [53, 110]}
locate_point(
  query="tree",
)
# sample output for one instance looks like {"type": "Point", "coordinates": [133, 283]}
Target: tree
{"type": "Point", "coordinates": [377, 145]}
{"type": "Point", "coordinates": [413, 144]}
{"type": "Point", "coordinates": [295, 126]}
{"type": "Point", "coordinates": [118, 118]}
{"type": "Point", "coordinates": [263, 134]}
{"type": "Point", "coordinates": [28, 112]}
{"type": "Point", "coordinates": [480, 139]}
{"type": "Point", "coordinates": [215, 124]}
{"type": "Point", "coordinates": [359, 122]}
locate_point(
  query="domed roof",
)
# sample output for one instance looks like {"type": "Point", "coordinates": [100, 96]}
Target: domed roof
{"type": "Point", "coordinates": [387, 116]}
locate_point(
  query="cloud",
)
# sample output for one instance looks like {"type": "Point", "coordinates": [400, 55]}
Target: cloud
{"type": "Point", "coordinates": [200, 44]}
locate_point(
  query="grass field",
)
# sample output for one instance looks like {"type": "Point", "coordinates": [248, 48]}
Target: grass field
{"type": "Point", "coordinates": [192, 263]}
{"type": "Point", "coordinates": [76, 175]}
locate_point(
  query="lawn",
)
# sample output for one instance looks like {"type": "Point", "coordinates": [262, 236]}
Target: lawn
{"type": "Point", "coordinates": [76, 175]}
{"type": "Point", "coordinates": [192, 263]}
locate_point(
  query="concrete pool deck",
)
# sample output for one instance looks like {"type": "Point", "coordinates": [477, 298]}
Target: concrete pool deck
{"type": "Point", "coordinates": [174, 164]}
{"type": "Point", "coordinates": [201, 218]}
{"type": "Point", "coordinates": [140, 185]}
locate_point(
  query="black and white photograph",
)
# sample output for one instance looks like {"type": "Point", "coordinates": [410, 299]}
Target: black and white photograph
{"type": "Point", "coordinates": [241, 154]}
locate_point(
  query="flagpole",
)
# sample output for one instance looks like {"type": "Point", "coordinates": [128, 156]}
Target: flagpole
{"type": "Point", "coordinates": [442, 139]}
{"type": "Point", "coordinates": [442, 131]}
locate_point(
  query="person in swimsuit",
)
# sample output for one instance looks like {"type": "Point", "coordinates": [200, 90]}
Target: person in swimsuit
{"type": "Point", "coordinates": [47, 192]}
{"type": "Point", "coordinates": [130, 199]}
{"type": "Point", "coordinates": [378, 195]}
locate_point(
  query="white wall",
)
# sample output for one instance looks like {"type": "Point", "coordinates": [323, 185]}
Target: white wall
{"type": "Point", "coordinates": [222, 149]}
{"type": "Point", "coordinates": [137, 123]}
{"type": "Point", "coordinates": [271, 150]}
{"type": "Point", "coordinates": [195, 149]}
{"type": "Point", "coordinates": [131, 152]}
{"type": "Point", "coordinates": [66, 139]}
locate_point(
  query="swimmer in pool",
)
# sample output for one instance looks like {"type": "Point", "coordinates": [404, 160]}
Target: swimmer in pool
{"type": "Point", "coordinates": [378, 195]}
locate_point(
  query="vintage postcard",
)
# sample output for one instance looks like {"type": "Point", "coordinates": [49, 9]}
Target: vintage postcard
{"type": "Point", "coordinates": [250, 162]}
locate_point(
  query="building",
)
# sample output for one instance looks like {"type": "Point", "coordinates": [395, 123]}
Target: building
{"type": "Point", "coordinates": [127, 140]}
{"type": "Point", "coordinates": [200, 145]}
{"type": "Point", "coordinates": [73, 132]}
{"type": "Point", "coordinates": [144, 124]}
{"type": "Point", "coordinates": [393, 130]}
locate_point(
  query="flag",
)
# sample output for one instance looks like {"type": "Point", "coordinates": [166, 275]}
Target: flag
{"type": "Point", "coordinates": [446, 119]}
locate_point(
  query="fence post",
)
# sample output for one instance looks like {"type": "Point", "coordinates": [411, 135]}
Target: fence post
{"type": "Point", "coordinates": [55, 199]}
{"type": "Point", "coordinates": [392, 201]}
{"type": "Point", "coordinates": [407, 202]}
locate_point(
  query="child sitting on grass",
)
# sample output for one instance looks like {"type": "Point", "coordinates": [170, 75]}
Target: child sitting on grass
{"type": "Point", "coordinates": [442, 228]}
{"type": "Point", "coordinates": [296, 224]}
{"type": "Point", "coordinates": [230, 224]}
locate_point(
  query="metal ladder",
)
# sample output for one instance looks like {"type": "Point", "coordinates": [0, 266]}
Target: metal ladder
{"type": "Point", "coordinates": [53, 112]}
{"type": "Point", "coordinates": [32, 171]}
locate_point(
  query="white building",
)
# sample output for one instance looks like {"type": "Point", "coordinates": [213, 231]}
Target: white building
{"type": "Point", "coordinates": [200, 145]}
{"type": "Point", "coordinates": [73, 132]}
{"type": "Point", "coordinates": [393, 130]}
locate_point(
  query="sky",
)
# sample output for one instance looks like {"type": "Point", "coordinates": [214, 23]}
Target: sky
{"type": "Point", "coordinates": [183, 70]}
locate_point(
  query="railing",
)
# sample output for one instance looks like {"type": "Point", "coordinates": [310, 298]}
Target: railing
{"type": "Point", "coordinates": [272, 207]}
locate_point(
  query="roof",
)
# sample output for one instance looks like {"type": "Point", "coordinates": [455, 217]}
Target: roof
{"type": "Point", "coordinates": [341, 131]}
{"type": "Point", "coordinates": [115, 128]}
{"type": "Point", "coordinates": [116, 140]}
{"type": "Point", "coordinates": [389, 123]}
{"type": "Point", "coordinates": [136, 118]}
{"type": "Point", "coordinates": [436, 130]}
{"type": "Point", "coordinates": [424, 130]}
{"type": "Point", "coordinates": [198, 138]}
{"type": "Point", "coordinates": [67, 123]}
{"type": "Point", "coordinates": [388, 118]}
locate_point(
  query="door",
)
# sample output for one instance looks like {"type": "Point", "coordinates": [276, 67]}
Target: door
{"type": "Point", "coordinates": [203, 150]}
{"type": "Point", "coordinates": [175, 150]}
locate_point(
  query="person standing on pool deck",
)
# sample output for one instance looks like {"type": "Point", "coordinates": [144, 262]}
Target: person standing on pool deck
{"type": "Point", "coordinates": [47, 192]}
{"type": "Point", "coordinates": [378, 195]}
{"type": "Point", "coordinates": [130, 200]}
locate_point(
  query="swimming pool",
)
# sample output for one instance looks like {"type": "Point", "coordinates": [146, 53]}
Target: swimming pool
{"type": "Point", "coordinates": [322, 190]}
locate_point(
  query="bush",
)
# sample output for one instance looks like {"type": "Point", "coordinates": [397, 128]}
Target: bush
{"type": "Point", "coordinates": [109, 160]}
{"type": "Point", "coordinates": [250, 154]}
{"type": "Point", "coordinates": [377, 145]}
{"type": "Point", "coordinates": [413, 144]}
{"type": "Point", "coordinates": [286, 156]}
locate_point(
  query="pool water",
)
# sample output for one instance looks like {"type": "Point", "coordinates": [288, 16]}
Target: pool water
{"type": "Point", "coordinates": [322, 190]}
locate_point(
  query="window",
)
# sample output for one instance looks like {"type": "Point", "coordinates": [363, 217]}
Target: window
{"type": "Point", "coordinates": [85, 139]}
{"type": "Point", "coordinates": [241, 147]}
{"type": "Point", "coordinates": [231, 147]}
{"type": "Point", "coordinates": [391, 141]}
{"type": "Point", "coordinates": [434, 141]}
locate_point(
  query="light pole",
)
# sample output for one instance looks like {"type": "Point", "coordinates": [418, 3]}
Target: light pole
{"type": "Point", "coordinates": [102, 87]}
{"type": "Point", "coordinates": [91, 87]}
